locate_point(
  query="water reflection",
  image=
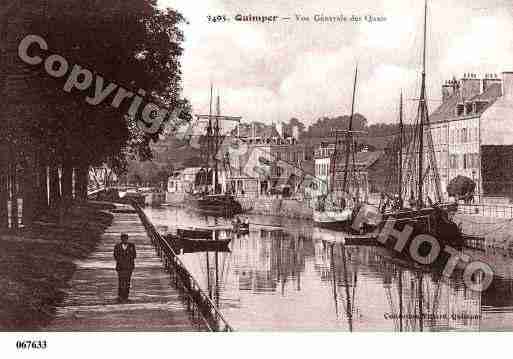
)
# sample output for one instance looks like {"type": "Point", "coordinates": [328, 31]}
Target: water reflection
{"type": "Point", "coordinates": [285, 274]}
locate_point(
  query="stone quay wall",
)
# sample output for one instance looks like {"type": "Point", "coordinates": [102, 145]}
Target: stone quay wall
{"type": "Point", "coordinates": [289, 208]}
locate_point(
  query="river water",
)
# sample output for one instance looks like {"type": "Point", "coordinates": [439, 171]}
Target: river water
{"type": "Point", "coordinates": [287, 275]}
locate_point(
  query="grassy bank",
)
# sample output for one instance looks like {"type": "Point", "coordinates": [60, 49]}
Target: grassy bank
{"type": "Point", "coordinates": [37, 263]}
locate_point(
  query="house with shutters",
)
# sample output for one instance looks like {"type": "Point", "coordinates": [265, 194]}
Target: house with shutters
{"type": "Point", "coordinates": [472, 132]}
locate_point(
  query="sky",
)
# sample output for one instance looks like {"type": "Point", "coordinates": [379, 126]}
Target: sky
{"type": "Point", "coordinates": [275, 71]}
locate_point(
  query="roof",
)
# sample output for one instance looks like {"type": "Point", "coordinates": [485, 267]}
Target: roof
{"type": "Point", "coordinates": [191, 170]}
{"type": "Point", "coordinates": [366, 159]}
{"type": "Point", "coordinates": [447, 110]}
{"type": "Point", "coordinates": [379, 142]}
{"type": "Point", "coordinates": [308, 167]}
{"type": "Point", "coordinates": [495, 124]}
{"type": "Point", "coordinates": [493, 92]}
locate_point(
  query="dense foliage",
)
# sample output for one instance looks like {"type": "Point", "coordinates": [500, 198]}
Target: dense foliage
{"type": "Point", "coordinates": [132, 44]}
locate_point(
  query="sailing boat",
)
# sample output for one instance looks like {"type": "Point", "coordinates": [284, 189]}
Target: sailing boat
{"type": "Point", "coordinates": [332, 211]}
{"type": "Point", "coordinates": [425, 216]}
{"type": "Point", "coordinates": [211, 200]}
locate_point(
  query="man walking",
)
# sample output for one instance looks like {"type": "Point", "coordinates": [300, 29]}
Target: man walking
{"type": "Point", "coordinates": [124, 253]}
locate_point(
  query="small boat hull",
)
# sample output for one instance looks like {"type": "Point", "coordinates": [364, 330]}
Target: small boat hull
{"type": "Point", "coordinates": [194, 233]}
{"type": "Point", "coordinates": [188, 245]}
{"type": "Point", "coordinates": [429, 220]}
{"type": "Point", "coordinates": [215, 205]}
{"type": "Point", "coordinates": [334, 220]}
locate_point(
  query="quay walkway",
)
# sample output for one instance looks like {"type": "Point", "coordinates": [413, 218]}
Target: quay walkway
{"type": "Point", "coordinates": [154, 304]}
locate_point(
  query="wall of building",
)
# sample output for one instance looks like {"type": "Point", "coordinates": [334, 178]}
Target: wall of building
{"type": "Point", "coordinates": [497, 169]}
{"type": "Point", "coordinates": [457, 149]}
{"type": "Point", "coordinates": [322, 170]}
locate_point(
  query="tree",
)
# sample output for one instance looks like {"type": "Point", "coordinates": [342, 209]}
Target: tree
{"type": "Point", "coordinates": [131, 43]}
{"type": "Point", "coordinates": [295, 122]}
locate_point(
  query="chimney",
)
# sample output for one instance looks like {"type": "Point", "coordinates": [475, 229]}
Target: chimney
{"type": "Point", "coordinates": [507, 85]}
{"type": "Point", "coordinates": [489, 80]}
{"type": "Point", "coordinates": [448, 89]}
{"type": "Point", "coordinates": [470, 86]}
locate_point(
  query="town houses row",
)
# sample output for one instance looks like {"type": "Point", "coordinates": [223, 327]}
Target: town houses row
{"type": "Point", "coordinates": [472, 133]}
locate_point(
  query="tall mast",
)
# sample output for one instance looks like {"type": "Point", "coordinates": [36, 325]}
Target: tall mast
{"type": "Point", "coordinates": [349, 134]}
{"type": "Point", "coordinates": [400, 172]}
{"type": "Point", "coordinates": [422, 111]}
{"type": "Point", "coordinates": [216, 144]}
{"type": "Point", "coordinates": [333, 166]}
{"type": "Point", "coordinates": [209, 130]}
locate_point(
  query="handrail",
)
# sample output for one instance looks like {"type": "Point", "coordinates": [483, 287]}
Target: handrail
{"type": "Point", "coordinates": [208, 311]}
{"type": "Point", "coordinates": [492, 210]}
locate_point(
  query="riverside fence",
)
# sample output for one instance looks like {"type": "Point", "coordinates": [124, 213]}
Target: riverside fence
{"type": "Point", "coordinates": [198, 302]}
{"type": "Point", "coordinates": [487, 210]}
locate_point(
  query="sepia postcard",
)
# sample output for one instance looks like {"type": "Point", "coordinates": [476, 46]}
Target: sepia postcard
{"type": "Point", "coordinates": [255, 166]}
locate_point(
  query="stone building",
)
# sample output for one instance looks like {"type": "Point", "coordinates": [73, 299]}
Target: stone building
{"type": "Point", "coordinates": [472, 133]}
{"type": "Point", "coordinates": [366, 163]}
{"type": "Point", "coordinates": [267, 161]}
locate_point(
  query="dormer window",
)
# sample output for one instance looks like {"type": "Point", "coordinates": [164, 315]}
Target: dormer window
{"type": "Point", "coordinates": [468, 108]}
{"type": "Point", "coordinates": [480, 106]}
{"type": "Point", "coordinates": [459, 109]}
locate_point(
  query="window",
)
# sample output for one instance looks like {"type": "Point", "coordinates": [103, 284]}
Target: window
{"type": "Point", "coordinates": [480, 106]}
{"type": "Point", "coordinates": [453, 161]}
{"type": "Point", "coordinates": [465, 161]}
{"type": "Point", "coordinates": [468, 108]}
{"type": "Point", "coordinates": [475, 160]}
{"type": "Point", "coordinates": [463, 135]}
